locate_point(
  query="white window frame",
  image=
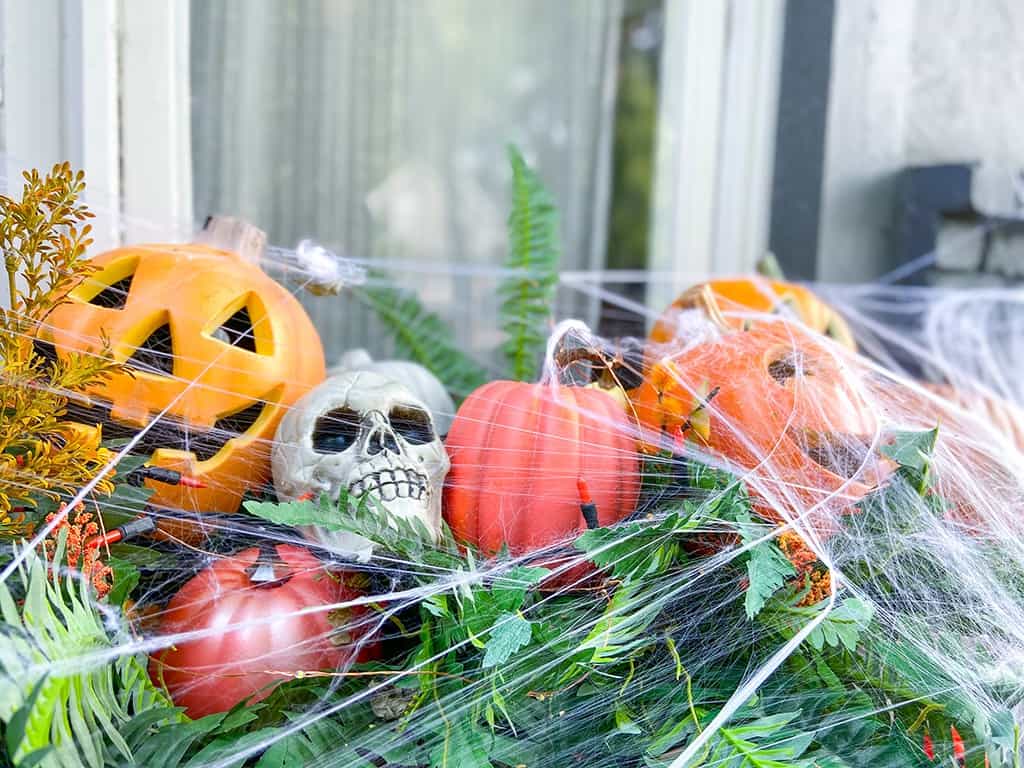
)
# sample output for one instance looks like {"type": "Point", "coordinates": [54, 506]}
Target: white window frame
{"type": "Point", "coordinates": [104, 85]}
{"type": "Point", "coordinates": [716, 140]}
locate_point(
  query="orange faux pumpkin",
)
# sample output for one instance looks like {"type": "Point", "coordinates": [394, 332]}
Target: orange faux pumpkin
{"type": "Point", "coordinates": [781, 409]}
{"type": "Point", "coordinates": [741, 296]}
{"type": "Point", "coordinates": [517, 451]}
{"type": "Point", "coordinates": [213, 341]}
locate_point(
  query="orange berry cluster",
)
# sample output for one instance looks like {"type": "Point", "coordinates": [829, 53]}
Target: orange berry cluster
{"type": "Point", "coordinates": [808, 567]}
{"type": "Point", "coordinates": [80, 557]}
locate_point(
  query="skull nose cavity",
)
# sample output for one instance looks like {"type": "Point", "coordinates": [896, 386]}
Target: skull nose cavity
{"type": "Point", "coordinates": [381, 439]}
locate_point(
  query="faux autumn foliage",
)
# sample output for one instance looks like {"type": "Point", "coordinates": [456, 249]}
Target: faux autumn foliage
{"type": "Point", "coordinates": [43, 236]}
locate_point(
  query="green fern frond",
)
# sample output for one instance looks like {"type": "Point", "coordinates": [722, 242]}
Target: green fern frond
{"type": "Point", "coordinates": [534, 255]}
{"type": "Point", "coordinates": [423, 337]}
{"type": "Point", "coordinates": [51, 658]}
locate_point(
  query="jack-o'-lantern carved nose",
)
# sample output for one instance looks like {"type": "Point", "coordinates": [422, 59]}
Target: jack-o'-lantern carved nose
{"type": "Point", "coordinates": [156, 352]}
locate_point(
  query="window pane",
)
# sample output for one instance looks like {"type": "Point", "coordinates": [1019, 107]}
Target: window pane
{"type": "Point", "coordinates": [378, 127]}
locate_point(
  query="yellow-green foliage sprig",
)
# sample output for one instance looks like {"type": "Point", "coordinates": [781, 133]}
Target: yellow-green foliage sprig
{"type": "Point", "coordinates": [44, 236]}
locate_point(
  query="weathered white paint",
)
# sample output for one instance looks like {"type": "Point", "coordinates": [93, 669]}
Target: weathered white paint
{"type": "Point", "coordinates": [689, 111]}
{"type": "Point", "coordinates": [60, 99]}
{"type": "Point", "coordinates": [716, 137]}
{"type": "Point", "coordinates": [917, 82]}
{"type": "Point", "coordinates": [747, 144]}
{"type": "Point", "coordinates": [865, 146]}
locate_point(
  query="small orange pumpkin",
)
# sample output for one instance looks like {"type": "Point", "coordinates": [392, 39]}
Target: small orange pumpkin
{"type": "Point", "coordinates": [737, 297]}
{"type": "Point", "coordinates": [215, 345]}
{"type": "Point", "coordinates": [518, 451]}
{"type": "Point", "coordinates": [778, 406]}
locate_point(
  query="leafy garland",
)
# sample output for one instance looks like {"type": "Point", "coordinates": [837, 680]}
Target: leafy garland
{"type": "Point", "coordinates": [495, 667]}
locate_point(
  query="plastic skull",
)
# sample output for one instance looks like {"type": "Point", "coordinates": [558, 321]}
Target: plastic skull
{"type": "Point", "coordinates": [366, 434]}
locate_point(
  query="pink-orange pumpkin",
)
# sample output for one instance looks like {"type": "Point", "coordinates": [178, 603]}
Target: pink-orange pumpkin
{"type": "Point", "coordinates": [517, 452]}
{"type": "Point", "coordinates": [256, 634]}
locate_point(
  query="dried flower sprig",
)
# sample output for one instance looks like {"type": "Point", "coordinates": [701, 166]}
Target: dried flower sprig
{"type": "Point", "coordinates": [810, 570]}
{"type": "Point", "coordinates": [43, 236]}
{"type": "Point", "coordinates": [80, 526]}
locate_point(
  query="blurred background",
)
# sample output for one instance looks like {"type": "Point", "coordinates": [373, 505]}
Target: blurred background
{"type": "Point", "coordinates": [857, 140]}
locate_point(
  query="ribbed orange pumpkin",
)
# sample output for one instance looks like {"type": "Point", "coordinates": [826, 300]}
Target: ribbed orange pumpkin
{"type": "Point", "coordinates": [517, 452]}
{"type": "Point", "coordinates": [786, 414]}
{"type": "Point", "coordinates": [212, 339]}
{"type": "Point", "coordinates": [254, 634]}
{"type": "Point", "coordinates": [758, 294]}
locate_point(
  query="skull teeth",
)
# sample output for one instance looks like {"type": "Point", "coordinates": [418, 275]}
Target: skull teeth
{"type": "Point", "coordinates": [388, 485]}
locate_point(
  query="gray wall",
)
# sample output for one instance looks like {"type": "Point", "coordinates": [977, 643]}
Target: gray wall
{"type": "Point", "coordinates": [916, 82]}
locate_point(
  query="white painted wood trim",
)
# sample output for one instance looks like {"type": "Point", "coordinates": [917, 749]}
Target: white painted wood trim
{"type": "Point", "coordinates": [689, 110]}
{"type": "Point", "coordinates": [99, 125]}
{"type": "Point", "coordinates": [155, 120]}
{"type": "Point", "coordinates": [716, 140]}
{"type": "Point", "coordinates": [32, 89]}
{"type": "Point", "coordinates": [60, 85]}
{"type": "Point", "coordinates": [747, 149]}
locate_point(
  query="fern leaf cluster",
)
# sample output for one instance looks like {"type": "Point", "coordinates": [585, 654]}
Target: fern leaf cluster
{"type": "Point", "coordinates": [52, 659]}
{"type": "Point", "coordinates": [533, 258]}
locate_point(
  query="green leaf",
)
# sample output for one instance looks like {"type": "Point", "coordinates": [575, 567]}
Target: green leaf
{"type": "Point", "coordinates": [624, 722]}
{"type": "Point", "coordinates": [764, 742]}
{"type": "Point", "coordinates": [511, 632]}
{"type": "Point", "coordinates": [19, 720]}
{"type": "Point", "coordinates": [912, 450]}
{"type": "Point", "coordinates": [533, 256]}
{"type": "Point", "coordinates": [768, 568]}
{"type": "Point", "coordinates": [843, 626]}
{"type": "Point", "coordinates": [125, 578]}
{"type": "Point", "coordinates": [642, 548]}
{"type": "Point", "coordinates": [296, 513]}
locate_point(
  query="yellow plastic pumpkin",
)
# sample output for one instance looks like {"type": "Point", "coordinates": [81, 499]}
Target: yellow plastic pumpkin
{"type": "Point", "coordinates": [218, 350]}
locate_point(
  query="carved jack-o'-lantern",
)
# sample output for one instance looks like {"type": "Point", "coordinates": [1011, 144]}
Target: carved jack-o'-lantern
{"type": "Point", "coordinates": [780, 407]}
{"type": "Point", "coordinates": [757, 294]}
{"type": "Point", "coordinates": [215, 346]}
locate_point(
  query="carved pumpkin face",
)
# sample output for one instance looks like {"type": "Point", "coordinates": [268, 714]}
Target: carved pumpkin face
{"type": "Point", "coordinates": [758, 294]}
{"type": "Point", "coordinates": [213, 341]}
{"type": "Point", "coordinates": [784, 411]}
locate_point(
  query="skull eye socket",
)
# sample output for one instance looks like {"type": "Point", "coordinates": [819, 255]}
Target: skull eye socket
{"type": "Point", "coordinates": [412, 424]}
{"type": "Point", "coordinates": [336, 431]}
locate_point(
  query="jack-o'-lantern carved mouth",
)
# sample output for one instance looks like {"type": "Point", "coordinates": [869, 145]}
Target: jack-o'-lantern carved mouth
{"type": "Point", "coordinates": [170, 433]}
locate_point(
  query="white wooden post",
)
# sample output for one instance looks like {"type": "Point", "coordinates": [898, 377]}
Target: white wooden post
{"type": "Point", "coordinates": [716, 132]}
{"type": "Point", "coordinates": [687, 148]}
{"type": "Point", "coordinates": [155, 124]}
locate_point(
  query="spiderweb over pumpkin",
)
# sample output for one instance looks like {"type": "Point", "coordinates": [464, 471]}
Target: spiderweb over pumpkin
{"type": "Point", "coordinates": [744, 543]}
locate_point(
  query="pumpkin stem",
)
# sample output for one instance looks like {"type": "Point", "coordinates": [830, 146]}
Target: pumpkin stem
{"type": "Point", "coordinates": [265, 571]}
{"type": "Point", "coordinates": [587, 506]}
{"type": "Point", "coordinates": [703, 298]}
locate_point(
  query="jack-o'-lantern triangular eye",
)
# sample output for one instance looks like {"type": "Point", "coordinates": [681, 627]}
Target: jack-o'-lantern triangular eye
{"type": "Point", "coordinates": [109, 287]}
{"type": "Point", "coordinates": [245, 326]}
